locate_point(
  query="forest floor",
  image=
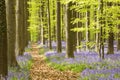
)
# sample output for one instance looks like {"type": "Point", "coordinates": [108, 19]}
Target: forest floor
{"type": "Point", "coordinates": [41, 71]}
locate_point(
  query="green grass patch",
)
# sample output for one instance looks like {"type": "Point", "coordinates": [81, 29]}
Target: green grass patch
{"type": "Point", "coordinates": [72, 67]}
{"type": "Point", "coordinates": [117, 75]}
{"type": "Point", "coordinates": [26, 65]}
{"type": "Point", "coordinates": [29, 64]}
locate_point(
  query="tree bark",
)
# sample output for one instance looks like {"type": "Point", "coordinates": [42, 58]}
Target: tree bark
{"type": "Point", "coordinates": [118, 42]}
{"type": "Point", "coordinates": [59, 48]}
{"type": "Point", "coordinates": [79, 34]}
{"type": "Point", "coordinates": [42, 23]}
{"type": "Point", "coordinates": [74, 16]}
{"type": "Point", "coordinates": [101, 30]}
{"type": "Point", "coordinates": [49, 27]}
{"type": "Point", "coordinates": [69, 33]}
{"type": "Point", "coordinates": [11, 27]}
{"type": "Point", "coordinates": [111, 35]}
{"type": "Point", "coordinates": [19, 27]}
{"type": "Point", "coordinates": [110, 43]}
{"type": "Point", "coordinates": [87, 27]}
{"type": "Point", "coordinates": [3, 40]}
{"type": "Point", "coordinates": [26, 24]}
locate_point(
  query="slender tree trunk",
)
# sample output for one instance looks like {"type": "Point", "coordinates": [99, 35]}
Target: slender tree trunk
{"type": "Point", "coordinates": [49, 27]}
{"type": "Point", "coordinates": [118, 44]}
{"type": "Point", "coordinates": [87, 27]}
{"type": "Point", "coordinates": [97, 34]}
{"type": "Point", "coordinates": [59, 48]}
{"type": "Point", "coordinates": [54, 27]}
{"type": "Point", "coordinates": [79, 34]}
{"type": "Point", "coordinates": [42, 23]}
{"type": "Point", "coordinates": [63, 21]}
{"type": "Point", "coordinates": [3, 40]}
{"type": "Point", "coordinates": [101, 30]}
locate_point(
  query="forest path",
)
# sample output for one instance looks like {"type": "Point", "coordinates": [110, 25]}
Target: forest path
{"type": "Point", "coordinates": [41, 71]}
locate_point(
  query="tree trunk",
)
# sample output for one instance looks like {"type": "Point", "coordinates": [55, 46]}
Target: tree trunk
{"type": "Point", "coordinates": [63, 13]}
{"type": "Point", "coordinates": [97, 33]}
{"type": "Point", "coordinates": [110, 43]}
{"type": "Point", "coordinates": [74, 16]}
{"type": "Point", "coordinates": [54, 19]}
{"type": "Point", "coordinates": [19, 27]}
{"type": "Point", "coordinates": [101, 30]}
{"type": "Point", "coordinates": [3, 40]}
{"type": "Point", "coordinates": [42, 23]}
{"type": "Point", "coordinates": [79, 34]}
{"type": "Point", "coordinates": [49, 27]}
{"type": "Point", "coordinates": [111, 35]}
{"type": "Point", "coordinates": [11, 27]}
{"type": "Point", "coordinates": [87, 27]}
{"type": "Point", "coordinates": [97, 28]}
{"type": "Point", "coordinates": [118, 44]}
{"type": "Point", "coordinates": [59, 48]}
{"type": "Point", "coordinates": [26, 24]}
{"type": "Point", "coordinates": [69, 33]}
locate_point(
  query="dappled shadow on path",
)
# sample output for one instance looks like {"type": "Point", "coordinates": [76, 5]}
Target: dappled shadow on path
{"type": "Point", "coordinates": [41, 71]}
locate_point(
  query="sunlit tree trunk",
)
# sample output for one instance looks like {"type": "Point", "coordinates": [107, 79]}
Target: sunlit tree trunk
{"type": "Point", "coordinates": [79, 34]}
{"type": "Point", "coordinates": [42, 23]}
{"type": "Point", "coordinates": [69, 33]}
{"type": "Point", "coordinates": [58, 37]}
{"type": "Point", "coordinates": [97, 33]}
{"type": "Point", "coordinates": [63, 14]}
{"type": "Point", "coordinates": [87, 27]}
{"type": "Point", "coordinates": [3, 40]}
{"type": "Point", "coordinates": [11, 27]}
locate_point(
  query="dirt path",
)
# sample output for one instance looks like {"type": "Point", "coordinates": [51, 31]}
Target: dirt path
{"type": "Point", "coordinates": [41, 71]}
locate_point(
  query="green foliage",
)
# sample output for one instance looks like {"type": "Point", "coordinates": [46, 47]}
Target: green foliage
{"type": "Point", "coordinates": [108, 20]}
{"type": "Point", "coordinates": [34, 19]}
{"type": "Point", "coordinates": [78, 29]}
